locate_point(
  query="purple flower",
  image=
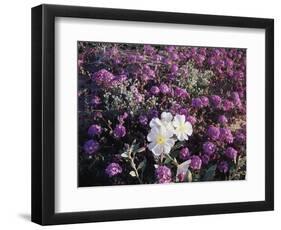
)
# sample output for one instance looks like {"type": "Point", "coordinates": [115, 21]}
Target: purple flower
{"type": "Point", "coordinates": [153, 113]}
{"type": "Point", "coordinates": [154, 90]}
{"type": "Point", "coordinates": [183, 111]}
{"type": "Point", "coordinates": [121, 118]}
{"type": "Point", "coordinates": [91, 146]}
{"type": "Point", "coordinates": [119, 131]}
{"type": "Point", "coordinates": [170, 49]}
{"type": "Point", "coordinates": [229, 73]}
{"type": "Point", "coordinates": [113, 169]}
{"type": "Point", "coordinates": [222, 119]}
{"type": "Point", "coordinates": [148, 49]}
{"type": "Point", "coordinates": [119, 79]}
{"type": "Point", "coordinates": [236, 98]}
{"type": "Point", "coordinates": [199, 59]}
{"type": "Point", "coordinates": [167, 61]}
{"type": "Point", "coordinates": [164, 88]}
{"type": "Point", "coordinates": [197, 103]}
{"type": "Point", "coordinates": [140, 58]}
{"type": "Point", "coordinates": [138, 97]}
{"type": "Point", "coordinates": [174, 68]}
{"type": "Point", "coordinates": [229, 62]}
{"type": "Point", "coordinates": [240, 137]}
{"type": "Point", "coordinates": [148, 71]}
{"type": "Point", "coordinates": [103, 77]}
{"type": "Point", "coordinates": [132, 58]}
{"type": "Point", "coordinates": [94, 130]}
{"type": "Point", "coordinates": [143, 120]}
{"type": "Point", "coordinates": [238, 75]}
{"type": "Point", "coordinates": [184, 153]}
{"type": "Point", "coordinates": [157, 57]}
{"type": "Point", "coordinates": [96, 101]}
{"type": "Point", "coordinates": [205, 101]}
{"type": "Point", "coordinates": [227, 105]}
{"type": "Point", "coordinates": [179, 92]}
{"type": "Point", "coordinates": [226, 135]}
{"type": "Point", "coordinates": [209, 148]}
{"type": "Point", "coordinates": [223, 166]}
{"type": "Point", "coordinates": [191, 119]}
{"type": "Point", "coordinates": [163, 174]}
{"type": "Point", "coordinates": [174, 56]}
{"type": "Point", "coordinates": [205, 159]}
{"type": "Point", "coordinates": [215, 101]}
{"type": "Point", "coordinates": [213, 132]}
{"type": "Point", "coordinates": [231, 153]}
{"type": "Point", "coordinates": [196, 162]}
{"type": "Point", "coordinates": [211, 61]}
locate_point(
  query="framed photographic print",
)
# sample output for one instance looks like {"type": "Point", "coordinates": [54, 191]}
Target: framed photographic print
{"type": "Point", "coordinates": [141, 114]}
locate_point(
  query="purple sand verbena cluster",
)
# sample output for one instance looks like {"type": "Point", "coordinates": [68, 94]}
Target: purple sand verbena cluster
{"type": "Point", "coordinates": [160, 114]}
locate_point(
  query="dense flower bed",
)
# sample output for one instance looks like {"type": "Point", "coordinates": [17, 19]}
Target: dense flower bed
{"type": "Point", "coordinates": [160, 114]}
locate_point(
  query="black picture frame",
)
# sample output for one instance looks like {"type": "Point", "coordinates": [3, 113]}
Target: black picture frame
{"type": "Point", "coordinates": [43, 114]}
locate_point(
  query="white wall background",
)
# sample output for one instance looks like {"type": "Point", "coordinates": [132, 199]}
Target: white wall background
{"type": "Point", "coordinates": [15, 113]}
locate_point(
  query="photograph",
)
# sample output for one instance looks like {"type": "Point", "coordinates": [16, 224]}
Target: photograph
{"type": "Point", "coordinates": [157, 114]}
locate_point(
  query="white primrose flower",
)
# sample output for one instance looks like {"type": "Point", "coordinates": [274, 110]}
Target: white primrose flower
{"type": "Point", "coordinates": [161, 140]}
{"type": "Point", "coordinates": [183, 128]}
{"type": "Point", "coordinates": [183, 167]}
{"type": "Point", "coordinates": [165, 122]}
{"type": "Point", "coordinates": [163, 132]}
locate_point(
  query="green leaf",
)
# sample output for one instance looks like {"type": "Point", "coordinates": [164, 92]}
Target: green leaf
{"type": "Point", "coordinates": [177, 145]}
{"type": "Point", "coordinates": [167, 160]}
{"type": "Point", "coordinates": [141, 165]}
{"type": "Point", "coordinates": [125, 155]}
{"type": "Point", "coordinates": [175, 153]}
{"type": "Point", "coordinates": [210, 173]}
{"type": "Point", "coordinates": [140, 150]}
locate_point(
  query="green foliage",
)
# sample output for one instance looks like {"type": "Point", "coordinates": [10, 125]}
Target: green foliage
{"type": "Point", "coordinates": [210, 173]}
{"type": "Point", "coordinates": [196, 81]}
{"type": "Point", "coordinates": [238, 172]}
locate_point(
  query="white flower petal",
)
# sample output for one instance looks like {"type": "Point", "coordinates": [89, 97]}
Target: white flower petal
{"type": "Point", "coordinates": [169, 145]}
{"type": "Point", "coordinates": [176, 122]}
{"type": "Point", "coordinates": [180, 118]}
{"type": "Point", "coordinates": [171, 142]}
{"type": "Point", "coordinates": [162, 132]}
{"type": "Point", "coordinates": [183, 167]}
{"type": "Point", "coordinates": [155, 122]}
{"type": "Point", "coordinates": [151, 145]}
{"type": "Point", "coordinates": [184, 136]}
{"type": "Point", "coordinates": [158, 150]}
{"type": "Point", "coordinates": [189, 128]}
{"type": "Point", "coordinates": [180, 136]}
{"type": "Point", "coordinates": [167, 148]}
{"type": "Point", "coordinates": [152, 134]}
{"type": "Point", "coordinates": [166, 116]}
{"type": "Point", "coordinates": [169, 133]}
{"type": "Point", "coordinates": [183, 129]}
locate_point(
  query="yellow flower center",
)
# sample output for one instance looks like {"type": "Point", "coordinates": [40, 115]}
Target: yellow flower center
{"type": "Point", "coordinates": [160, 139]}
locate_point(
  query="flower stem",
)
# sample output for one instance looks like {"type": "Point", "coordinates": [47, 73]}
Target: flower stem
{"type": "Point", "coordinates": [135, 170]}
{"type": "Point", "coordinates": [173, 160]}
